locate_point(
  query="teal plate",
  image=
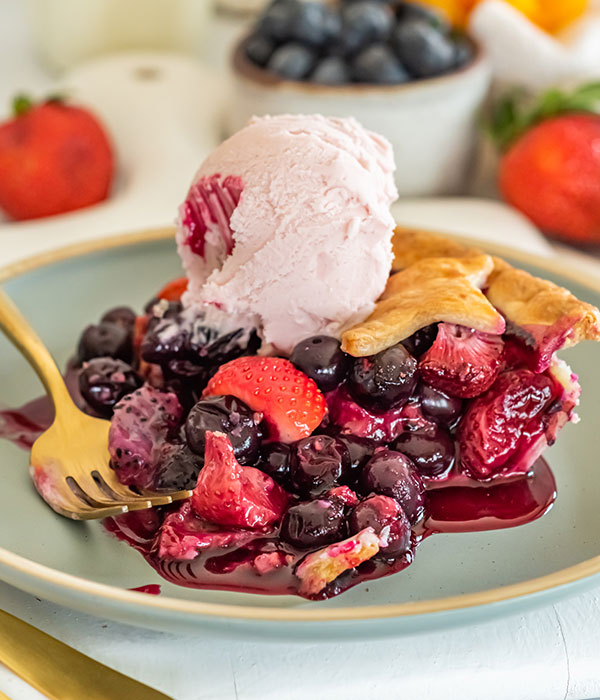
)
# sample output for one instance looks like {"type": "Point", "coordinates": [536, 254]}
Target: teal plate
{"type": "Point", "coordinates": [455, 580]}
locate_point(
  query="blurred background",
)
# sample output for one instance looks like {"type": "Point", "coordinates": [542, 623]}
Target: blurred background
{"type": "Point", "coordinates": [491, 106]}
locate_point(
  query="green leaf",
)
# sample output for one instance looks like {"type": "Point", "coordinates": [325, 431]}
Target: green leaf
{"type": "Point", "coordinates": [21, 104]}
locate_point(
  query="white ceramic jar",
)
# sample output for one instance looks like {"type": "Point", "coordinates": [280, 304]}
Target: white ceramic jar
{"type": "Point", "coordinates": [432, 124]}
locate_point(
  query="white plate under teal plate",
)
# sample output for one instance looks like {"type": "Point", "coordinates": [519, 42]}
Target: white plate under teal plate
{"type": "Point", "coordinates": [455, 579]}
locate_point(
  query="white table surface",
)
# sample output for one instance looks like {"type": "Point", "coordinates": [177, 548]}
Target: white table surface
{"type": "Point", "coordinates": [549, 654]}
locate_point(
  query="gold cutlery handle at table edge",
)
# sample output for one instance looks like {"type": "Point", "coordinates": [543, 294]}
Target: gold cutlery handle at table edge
{"type": "Point", "coordinates": [60, 672]}
{"type": "Point", "coordinates": [21, 334]}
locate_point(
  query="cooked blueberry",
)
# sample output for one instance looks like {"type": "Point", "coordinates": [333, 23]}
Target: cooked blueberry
{"type": "Point", "coordinates": [436, 404]}
{"type": "Point", "coordinates": [276, 23]}
{"type": "Point", "coordinates": [378, 64]}
{"type": "Point", "coordinates": [392, 474]}
{"type": "Point", "coordinates": [104, 381]}
{"type": "Point", "coordinates": [423, 49]}
{"type": "Point", "coordinates": [385, 380]}
{"type": "Point", "coordinates": [408, 11]}
{"type": "Point", "coordinates": [292, 61]}
{"type": "Point", "coordinates": [314, 524]}
{"type": "Point", "coordinates": [259, 49]}
{"type": "Point", "coordinates": [430, 450]}
{"type": "Point", "coordinates": [420, 341]}
{"type": "Point", "coordinates": [332, 70]}
{"type": "Point", "coordinates": [318, 463]}
{"type": "Point", "coordinates": [179, 470]}
{"type": "Point", "coordinates": [322, 359]}
{"type": "Point", "coordinates": [187, 379]}
{"type": "Point", "coordinates": [360, 452]}
{"type": "Point", "coordinates": [365, 23]}
{"type": "Point", "coordinates": [105, 340]}
{"type": "Point", "coordinates": [275, 461]}
{"type": "Point", "coordinates": [224, 414]}
{"type": "Point", "coordinates": [166, 339]}
{"type": "Point", "coordinates": [380, 512]}
{"type": "Point", "coordinates": [315, 24]}
{"type": "Point", "coordinates": [121, 315]}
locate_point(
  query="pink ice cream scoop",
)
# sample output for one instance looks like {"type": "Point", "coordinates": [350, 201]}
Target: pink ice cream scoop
{"type": "Point", "coordinates": [287, 226]}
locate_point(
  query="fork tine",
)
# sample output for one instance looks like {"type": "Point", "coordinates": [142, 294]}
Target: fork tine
{"type": "Point", "coordinates": [66, 502]}
{"type": "Point", "coordinates": [121, 491]}
{"type": "Point", "coordinates": [95, 494]}
{"type": "Point", "coordinates": [175, 496]}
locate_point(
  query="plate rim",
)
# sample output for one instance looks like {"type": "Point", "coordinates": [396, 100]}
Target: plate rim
{"type": "Point", "coordinates": [165, 604]}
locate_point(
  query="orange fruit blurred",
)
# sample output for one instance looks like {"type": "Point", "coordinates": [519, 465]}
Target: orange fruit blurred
{"type": "Point", "coordinates": [550, 15]}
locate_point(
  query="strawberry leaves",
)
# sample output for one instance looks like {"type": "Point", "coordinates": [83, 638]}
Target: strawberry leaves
{"type": "Point", "coordinates": [516, 111]}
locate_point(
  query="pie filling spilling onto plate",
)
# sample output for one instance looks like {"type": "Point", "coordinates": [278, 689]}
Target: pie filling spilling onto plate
{"type": "Point", "coordinates": [324, 439]}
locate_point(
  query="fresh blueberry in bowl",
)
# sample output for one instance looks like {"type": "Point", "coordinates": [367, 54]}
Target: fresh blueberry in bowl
{"type": "Point", "coordinates": [365, 23]}
{"type": "Point", "coordinates": [259, 49]}
{"type": "Point", "coordinates": [377, 64]}
{"type": "Point", "coordinates": [104, 381]}
{"type": "Point", "coordinates": [423, 49]}
{"type": "Point", "coordinates": [292, 61]}
{"type": "Point", "coordinates": [331, 70]}
{"type": "Point", "coordinates": [321, 358]}
{"type": "Point", "coordinates": [383, 381]}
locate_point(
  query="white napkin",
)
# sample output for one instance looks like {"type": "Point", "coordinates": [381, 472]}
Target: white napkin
{"type": "Point", "coordinates": [523, 54]}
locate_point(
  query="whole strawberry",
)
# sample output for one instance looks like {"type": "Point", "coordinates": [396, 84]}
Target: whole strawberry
{"type": "Point", "coordinates": [53, 158]}
{"type": "Point", "coordinates": [550, 170]}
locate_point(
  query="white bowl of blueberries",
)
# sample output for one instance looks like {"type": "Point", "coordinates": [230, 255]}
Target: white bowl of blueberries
{"type": "Point", "coordinates": [398, 67]}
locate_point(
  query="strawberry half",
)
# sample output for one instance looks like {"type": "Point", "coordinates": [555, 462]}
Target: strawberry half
{"type": "Point", "coordinates": [499, 427]}
{"type": "Point", "coordinates": [234, 496]}
{"type": "Point", "coordinates": [462, 362]}
{"type": "Point", "coordinates": [290, 401]}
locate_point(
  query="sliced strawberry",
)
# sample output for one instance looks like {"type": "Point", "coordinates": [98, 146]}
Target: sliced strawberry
{"type": "Point", "coordinates": [234, 496]}
{"type": "Point", "coordinates": [173, 290]}
{"type": "Point", "coordinates": [290, 401]}
{"type": "Point", "coordinates": [499, 427]}
{"type": "Point", "coordinates": [462, 362]}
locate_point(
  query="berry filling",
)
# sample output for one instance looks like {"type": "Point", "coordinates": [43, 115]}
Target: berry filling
{"type": "Point", "coordinates": [313, 473]}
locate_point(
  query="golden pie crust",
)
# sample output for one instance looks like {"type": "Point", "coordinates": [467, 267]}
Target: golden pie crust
{"type": "Point", "coordinates": [437, 279]}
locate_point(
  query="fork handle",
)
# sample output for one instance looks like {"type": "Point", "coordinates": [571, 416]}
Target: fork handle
{"type": "Point", "coordinates": [22, 335]}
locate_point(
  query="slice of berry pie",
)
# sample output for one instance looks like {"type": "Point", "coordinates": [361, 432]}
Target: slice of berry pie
{"type": "Point", "coordinates": [333, 390]}
{"type": "Point", "coordinates": [318, 469]}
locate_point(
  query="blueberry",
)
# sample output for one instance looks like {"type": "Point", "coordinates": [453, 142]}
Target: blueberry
{"type": "Point", "coordinates": [276, 23]}
{"type": "Point", "coordinates": [380, 512]}
{"type": "Point", "coordinates": [385, 380]}
{"type": "Point", "coordinates": [104, 381]}
{"type": "Point", "coordinates": [463, 51]}
{"type": "Point", "coordinates": [275, 461]}
{"type": "Point", "coordinates": [318, 463]}
{"type": "Point", "coordinates": [392, 474]}
{"type": "Point", "coordinates": [420, 341]}
{"type": "Point", "coordinates": [442, 407]}
{"type": "Point", "coordinates": [423, 49]}
{"type": "Point", "coordinates": [292, 61]}
{"type": "Point", "coordinates": [408, 11]}
{"type": "Point", "coordinates": [228, 415]}
{"type": "Point", "coordinates": [378, 64]}
{"type": "Point", "coordinates": [121, 315]}
{"type": "Point", "coordinates": [178, 470]}
{"type": "Point", "coordinates": [259, 49]}
{"type": "Point", "coordinates": [332, 70]}
{"type": "Point", "coordinates": [187, 379]}
{"type": "Point", "coordinates": [321, 358]}
{"type": "Point", "coordinates": [365, 23]}
{"type": "Point", "coordinates": [106, 340]}
{"type": "Point", "coordinates": [360, 452]}
{"type": "Point", "coordinates": [315, 24]}
{"type": "Point", "coordinates": [314, 524]}
{"type": "Point", "coordinates": [430, 450]}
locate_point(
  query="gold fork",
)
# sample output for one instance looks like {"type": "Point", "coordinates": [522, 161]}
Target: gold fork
{"type": "Point", "coordinates": [70, 461]}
